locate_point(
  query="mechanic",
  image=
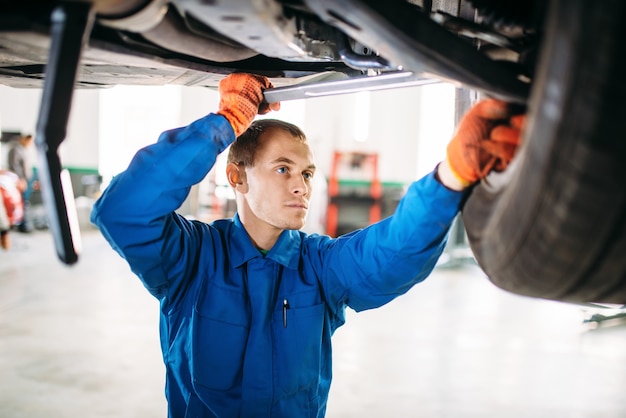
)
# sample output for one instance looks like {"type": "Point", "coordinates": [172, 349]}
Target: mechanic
{"type": "Point", "coordinates": [249, 304]}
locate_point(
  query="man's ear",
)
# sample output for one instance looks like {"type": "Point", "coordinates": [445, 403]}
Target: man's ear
{"type": "Point", "coordinates": [236, 176]}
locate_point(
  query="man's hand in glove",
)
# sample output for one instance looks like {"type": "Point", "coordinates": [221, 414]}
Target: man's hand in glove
{"type": "Point", "coordinates": [241, 98]}
{"type": "Point", "coordinates": [486, 140]}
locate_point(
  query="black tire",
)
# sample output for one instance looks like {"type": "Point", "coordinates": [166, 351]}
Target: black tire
{"type": "Point", "coordinates": [556, 228]}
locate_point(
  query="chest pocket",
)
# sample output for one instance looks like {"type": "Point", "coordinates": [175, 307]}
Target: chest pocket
{"type": "Point", "coordinates": [300, 343]}
{"type": "Point", "coordinates": [220, 332]}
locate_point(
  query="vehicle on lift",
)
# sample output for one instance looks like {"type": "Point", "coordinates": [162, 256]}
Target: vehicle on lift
{"type": "Point", "coordinates": [552, 226]}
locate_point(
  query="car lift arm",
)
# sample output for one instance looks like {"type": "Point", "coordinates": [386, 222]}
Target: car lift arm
{"type": "Point", "coordinates": [71, 23]}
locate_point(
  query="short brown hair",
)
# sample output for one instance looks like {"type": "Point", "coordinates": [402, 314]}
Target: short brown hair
{"type": "Point", "coordinates": [242, 151]}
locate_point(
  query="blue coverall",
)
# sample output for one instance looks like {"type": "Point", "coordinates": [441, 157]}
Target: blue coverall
{"type": "Point", "coordinates": [242, 333]}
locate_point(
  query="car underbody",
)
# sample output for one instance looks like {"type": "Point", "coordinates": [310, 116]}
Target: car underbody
{"type": "Point", "coordinates": [196, 43]}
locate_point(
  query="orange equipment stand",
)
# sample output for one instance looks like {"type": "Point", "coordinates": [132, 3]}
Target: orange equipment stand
{"type": "Point", "coordinates": [357, 161]}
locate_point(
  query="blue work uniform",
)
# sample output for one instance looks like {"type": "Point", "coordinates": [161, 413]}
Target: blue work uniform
{"type": "Point", "coordinates": [247, 334]}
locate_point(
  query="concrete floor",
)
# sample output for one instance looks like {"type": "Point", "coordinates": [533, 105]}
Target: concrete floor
{"type": "Point", "coordinates": [82, 341]}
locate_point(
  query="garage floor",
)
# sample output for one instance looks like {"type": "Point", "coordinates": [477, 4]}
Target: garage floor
{"type": "Point", "coordinates": [82, 341]}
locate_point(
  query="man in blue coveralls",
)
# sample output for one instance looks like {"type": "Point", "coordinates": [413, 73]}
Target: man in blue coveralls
{"type": "Point", "coordinates": [249, 304]}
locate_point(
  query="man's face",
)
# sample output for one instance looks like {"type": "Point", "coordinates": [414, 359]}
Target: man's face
{"type": "Point", "coordinates": [279, 184]}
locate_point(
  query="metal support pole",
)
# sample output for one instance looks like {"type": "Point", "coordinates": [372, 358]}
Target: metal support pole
{"type": "Point", "coordinates": [70, 26]}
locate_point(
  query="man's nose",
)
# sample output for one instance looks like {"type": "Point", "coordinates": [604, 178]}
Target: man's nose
{"type": "Point", "coordinates": [300, 186]}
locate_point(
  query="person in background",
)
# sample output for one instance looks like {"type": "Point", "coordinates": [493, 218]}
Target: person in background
{"type": "Point", "coordinates": [5, 224]}
{"type": "Point", "coordinates": [11, 205]}
{"type": "Point", "coordinates": [20, 162]}
{"type": "Point", "coordinates": [248, 305]}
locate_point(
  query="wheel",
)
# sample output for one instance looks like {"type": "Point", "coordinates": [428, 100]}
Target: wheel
{"type": "Point", "coordinates": [554, 224]}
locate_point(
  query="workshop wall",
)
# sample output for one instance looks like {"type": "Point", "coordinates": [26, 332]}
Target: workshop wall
{"type": "Point", "coordinates": [408, 128]}
{"type": "Point", "coordinates": [18, 113]}
{"type": "Point", "coordinates": [19, 110]}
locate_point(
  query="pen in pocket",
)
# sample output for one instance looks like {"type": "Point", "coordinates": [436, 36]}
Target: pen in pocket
{"type": "Point", "coordinates": [285, 307]}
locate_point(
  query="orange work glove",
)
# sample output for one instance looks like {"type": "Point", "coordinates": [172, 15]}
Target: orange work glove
{"type": "Point", "coordinates": [486, 139]}
{"type": "Point", "coordinates": [241, 97]}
